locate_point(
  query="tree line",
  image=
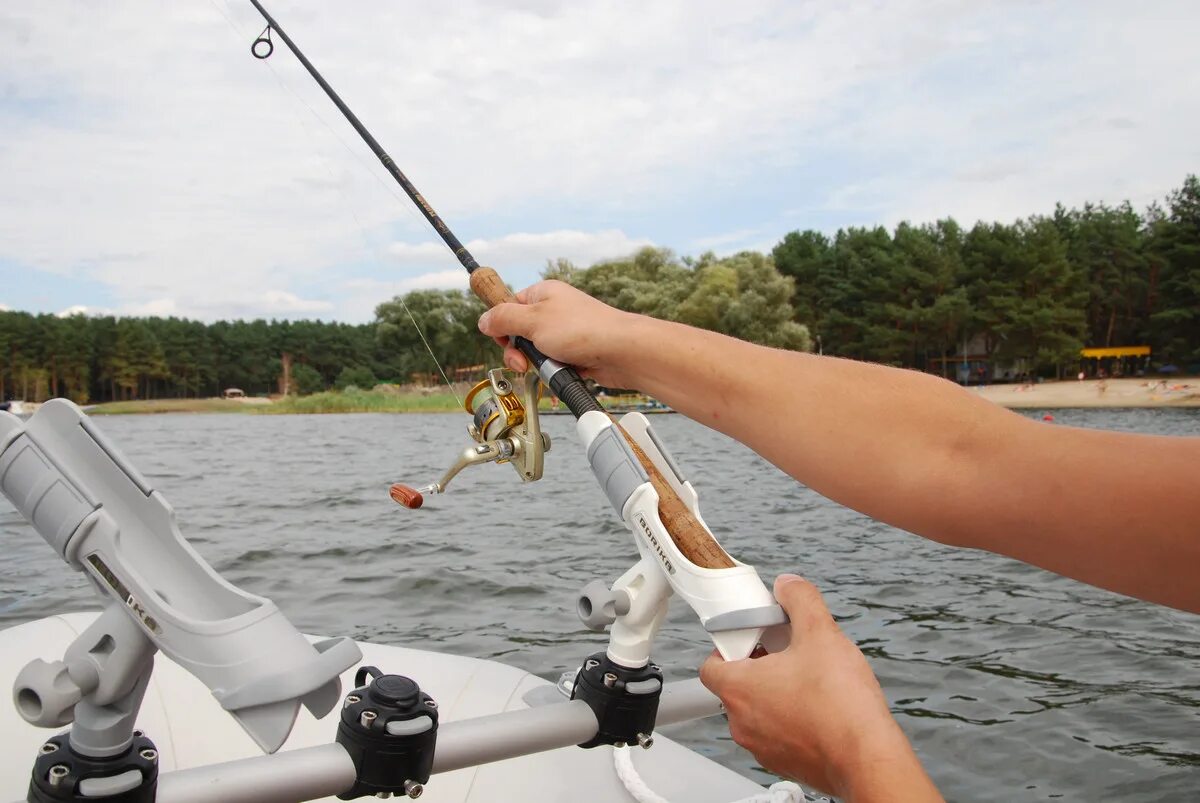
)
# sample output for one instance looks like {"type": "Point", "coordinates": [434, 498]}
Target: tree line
{"type": "Point", "coordinates": [1035, 291]}
{"type": "Point", "coordinates": [102, 358]}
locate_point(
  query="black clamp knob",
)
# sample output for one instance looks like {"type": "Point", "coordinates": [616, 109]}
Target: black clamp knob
{"type": "Point", "coordinates": [389, 728]}
{"type": "Point", "coordinates": [624, 700]}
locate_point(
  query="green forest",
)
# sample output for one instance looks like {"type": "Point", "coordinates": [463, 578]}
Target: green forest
{"type": "Point", "coordinates": [1035, 291]}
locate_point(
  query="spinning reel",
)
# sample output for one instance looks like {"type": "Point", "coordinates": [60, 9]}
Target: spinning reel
{"type": "Point", "coordinates": [504, 427]}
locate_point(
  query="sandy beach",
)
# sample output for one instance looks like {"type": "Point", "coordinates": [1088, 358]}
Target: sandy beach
{"type": "Point", "coordinates": [1142, 392]}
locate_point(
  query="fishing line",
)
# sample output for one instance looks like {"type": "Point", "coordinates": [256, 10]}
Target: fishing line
{"type": "Point", "coordinates": [362, 229]}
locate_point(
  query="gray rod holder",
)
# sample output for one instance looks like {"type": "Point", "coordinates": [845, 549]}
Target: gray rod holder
{"type": "Point", "coordinates": [107, 521]}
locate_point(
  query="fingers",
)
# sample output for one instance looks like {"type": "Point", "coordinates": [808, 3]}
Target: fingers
{"type": "Point", "coordinates": [804, 605]}
{"type": "Point", "coordinates": [508, 319]}
{"type": "Point", "coordinates": [714, 673]}
{"type": "Point", "coordinates": [515, 360]}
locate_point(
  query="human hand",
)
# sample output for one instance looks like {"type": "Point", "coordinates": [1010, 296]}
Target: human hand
{"type": "Point", "coordinates": [566, 324]}
{"type": "Point", "coordinates": [814, 712]}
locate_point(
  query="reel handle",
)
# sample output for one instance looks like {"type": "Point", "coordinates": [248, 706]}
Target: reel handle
{"type": "Point", "coordinates": [411, 498]}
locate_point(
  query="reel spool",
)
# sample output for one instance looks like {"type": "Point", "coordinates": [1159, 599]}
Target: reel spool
{"type": "Point", "coordinates": [494, 408]}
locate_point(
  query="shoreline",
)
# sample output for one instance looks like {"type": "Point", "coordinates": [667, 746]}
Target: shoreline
{"type": "Point", "coordinates": [1112, 394]}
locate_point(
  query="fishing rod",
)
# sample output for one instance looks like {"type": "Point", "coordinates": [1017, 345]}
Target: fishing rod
{"type": "Point", "coordinates": [563, 380]}
{"type": "Point", "coordinates": [685, 531]}
{"type": "Point", "coordinates": [679, 555]}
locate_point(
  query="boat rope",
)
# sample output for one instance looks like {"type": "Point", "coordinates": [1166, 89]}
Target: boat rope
{"type": "Point", "coordinates": [262, 49]}
{"type": "Point", "coordinates": [639, 790]}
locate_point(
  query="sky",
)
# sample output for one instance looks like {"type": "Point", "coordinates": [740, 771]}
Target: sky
{"type": "Point", "coordinates": [150, 166]}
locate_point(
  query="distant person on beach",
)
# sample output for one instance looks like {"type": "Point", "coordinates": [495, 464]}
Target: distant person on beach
{"type": "Point", "coordinates": [1113, 509]}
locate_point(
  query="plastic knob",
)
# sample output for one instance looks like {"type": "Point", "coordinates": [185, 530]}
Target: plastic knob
{"type": "Point", "coordinates": [599, 606]}
{"type": "Point", "coordinates": [45, 694]}
{"type": "Point", "coordinates": [409, 497]}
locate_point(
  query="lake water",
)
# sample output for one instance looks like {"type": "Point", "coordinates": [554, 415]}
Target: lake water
{"type": "Point", "coordinates": [1013, 683]}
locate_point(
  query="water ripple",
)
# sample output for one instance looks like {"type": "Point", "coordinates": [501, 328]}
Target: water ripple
{"type": "Point", "coordinates": [1007, 678]}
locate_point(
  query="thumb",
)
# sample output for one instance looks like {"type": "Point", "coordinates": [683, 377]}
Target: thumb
{"type": "Point", "coordinates": [803, 604]}
{"type": "Point", "coordinates": [716, 673]}
{"type": "Point", "coordinates": [506, 320]}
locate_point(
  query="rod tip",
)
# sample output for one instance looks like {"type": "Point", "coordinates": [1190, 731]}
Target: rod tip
{"type": "Point", "coordinates": [409, 497]}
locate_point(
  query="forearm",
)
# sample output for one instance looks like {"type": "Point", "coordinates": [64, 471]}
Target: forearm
{"type": "Point", "coordinates": [877, 439]}
{"type": "Point", "coordinates": [884, 769]}
{"type": "Point", "coordinates": [927, 456]}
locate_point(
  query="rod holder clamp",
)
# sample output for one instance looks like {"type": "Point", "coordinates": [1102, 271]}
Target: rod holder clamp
{"type": "Point", "coordinates": [624, 700]}
{"type": "Point", "coordinates": [61, 775]}
{"type": "Point", "coordinates": [389, 728]}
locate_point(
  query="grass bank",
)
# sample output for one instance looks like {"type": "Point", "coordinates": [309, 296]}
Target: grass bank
{"type": "Point", "coordinates": [364, 401]}
{"type": "Point", "coordinates": [176, 406]}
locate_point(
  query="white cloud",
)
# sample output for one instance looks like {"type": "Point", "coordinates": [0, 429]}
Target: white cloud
{"type": "Point", "coordinates": [529, 250]}
{"type": "Point", "coordinates": [726, 241]}
{"type": "Point", "coordinates": [4, 308]}
{"type": "Point", "coordinates": [145, 149]}
{"type": "Point", "coordinates": [80, 309]}
{"type": "Point", "coordinates": [361, 296]}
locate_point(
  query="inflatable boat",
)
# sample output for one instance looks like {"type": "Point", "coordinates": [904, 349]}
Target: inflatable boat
{"type": "Point", "coordinates": [186, 688]}
{"type": "Point", "coordinates": [192, 732]}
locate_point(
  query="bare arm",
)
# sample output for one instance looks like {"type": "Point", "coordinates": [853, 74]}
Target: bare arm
{"type": "Point", "coordinates": [1115, 510]}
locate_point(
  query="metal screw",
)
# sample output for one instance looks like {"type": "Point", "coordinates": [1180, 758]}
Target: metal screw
{"type": "Point", "coordinates": [353, 698]}
{"type": "Point", "coordinates": [383, 795]}
{"type": "Point", "coordinates": [645, 741]}
{"type": "Point", "coordinates": [430, 704]}
{"type": "Point", "coordinates": [367, 718]}
{"type": "Point", "coordinates": [591, 664]}
{"type": "Point", "coordinates": [49, 747]}
{"type": "Point", "coordinates": [149, 755]}
{"type": "Point", "coordinates": [57, 773]}
{"type": "Point", "coordinates": [610, 679]}
{"type": "Point", "coordinates": [618, 744]}
{"type": "Point", "coordinates": [413, 789]}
